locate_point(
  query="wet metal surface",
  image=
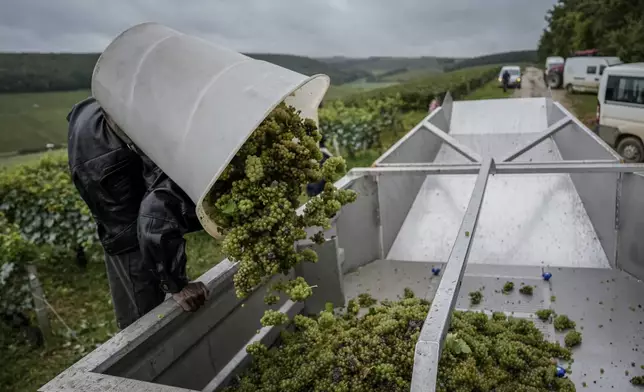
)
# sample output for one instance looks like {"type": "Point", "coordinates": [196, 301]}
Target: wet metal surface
{"type": "Point", "coordinates": [499, 116]}
{"type": "Point", "coordinates": [528, 219]}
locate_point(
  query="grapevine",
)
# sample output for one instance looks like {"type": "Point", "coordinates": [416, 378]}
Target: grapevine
{"type": "Point", "coordinates": [345, 351]}
{"type": "Point", "coordinates": [255, 198]}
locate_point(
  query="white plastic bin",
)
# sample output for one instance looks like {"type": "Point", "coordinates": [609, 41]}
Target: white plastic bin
{"type": "Point", "coordinates": [190, 104]}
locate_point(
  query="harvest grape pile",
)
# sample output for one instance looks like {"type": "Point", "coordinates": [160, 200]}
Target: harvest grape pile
{"type": "Point", "coordinates": [344, 351]}
{"type": "Point", "coordinates": [255, 200]}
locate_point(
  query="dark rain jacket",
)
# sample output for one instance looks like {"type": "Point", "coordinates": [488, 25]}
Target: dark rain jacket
{"type": "Point", "coordinates": [135, 205]}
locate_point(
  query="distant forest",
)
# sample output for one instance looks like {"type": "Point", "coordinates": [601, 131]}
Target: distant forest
{"type": "Point", "coordinates": [37, 72]}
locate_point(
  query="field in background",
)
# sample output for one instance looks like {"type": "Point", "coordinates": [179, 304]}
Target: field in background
{"type": "Point", "coordinates": [31, 120]}
{"type": "Point", "coordinates": [490, 90]}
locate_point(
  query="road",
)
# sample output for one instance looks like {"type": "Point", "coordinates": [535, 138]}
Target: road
{"type": "Point", "coordinates": [532, 85]}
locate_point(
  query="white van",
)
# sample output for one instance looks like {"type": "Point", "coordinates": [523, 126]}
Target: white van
{"type": "Point", "coordinates": [583, 73]}
{"type": "Point", "coordinates": [620, 110]}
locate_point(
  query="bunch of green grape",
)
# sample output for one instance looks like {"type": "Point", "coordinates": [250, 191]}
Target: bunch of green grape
{"type": "Point", "coordinates": [254, 200]}
{"type": "Point", "coordinates": [373, 350]}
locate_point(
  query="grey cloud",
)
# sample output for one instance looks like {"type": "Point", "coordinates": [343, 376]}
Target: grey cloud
{"type": "Point", "coordinates": [305, 27]}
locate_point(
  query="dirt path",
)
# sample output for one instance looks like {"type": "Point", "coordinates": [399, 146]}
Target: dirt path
{"type": "Point", "coordinates": [532, 84]}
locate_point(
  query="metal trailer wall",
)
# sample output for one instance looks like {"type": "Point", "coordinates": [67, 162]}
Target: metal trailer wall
{"type": "Point", "coordinates": [630, 251]}
{"type": "Point", "coordinates": [396, 194]}
{"type": "Point", "coordinates": [193, 348]}
{"type": "Point", "coordinates": [597, 191]}
{"type": "Point", "coordinates": [358, 227]}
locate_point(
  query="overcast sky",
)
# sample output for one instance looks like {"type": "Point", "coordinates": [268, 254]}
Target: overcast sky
{"type": "Point", "coordinates": [357, 28]}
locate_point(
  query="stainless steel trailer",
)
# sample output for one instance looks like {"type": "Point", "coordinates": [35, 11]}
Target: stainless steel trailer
{"type": "Point", "coordinates": [489, 191]}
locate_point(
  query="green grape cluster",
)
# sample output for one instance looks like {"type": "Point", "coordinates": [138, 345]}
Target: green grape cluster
{"type": "Point", "coordinates": [572, 339]}
{"type": "Point", "coordinates": [637, 380]}
{"type": "Point", "coordinates": [544, 314]}
{"type": "Point", "coordinates": [273, 317]}
{"type": "Point", "coordinates": [507, 287]}
{"type": "Point", "coordinates": [526, 290]}
{"type": "Point", "coordinates": [476, 297]}
{"type": "Point", "coordinates": [562, 323]}
{"type": "Point", "coordinates": [346, 351]}
{"type": "Point", "coordinates": [255, 198]}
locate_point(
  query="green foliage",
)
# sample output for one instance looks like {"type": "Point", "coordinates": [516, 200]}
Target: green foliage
{"type": "Point", "coordinates": [418, 93]}
{"type": "Point", "coordinates": [637, 380]}
{"type": "Point", "coordinates": [526, 290]}
{"type": "Point", "coordinates": [375, 352]}
{"type": "Point", "coordinates": [254, 201]}
{"type": "Point", "coordinates": [507, 287]}
{"type": "Point", "coordinates": [572, 339]}
{"type": "Point", "coordinates": [615, 27]}
{"type": "Point", "coordinates": [562, 323]}
{"type": "Point", "coordinates": [41, 199]}
{"type": "Point", "coordinates": [360, 128]}
{"type": "Point", "coordinates": [15, 252]}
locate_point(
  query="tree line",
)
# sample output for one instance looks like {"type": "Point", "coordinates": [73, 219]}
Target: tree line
{"type": "Point", "coordinates": [614, 27]}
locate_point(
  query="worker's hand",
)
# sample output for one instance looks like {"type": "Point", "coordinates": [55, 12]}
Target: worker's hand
{"type": "Point", "coordinates": [192, 297]}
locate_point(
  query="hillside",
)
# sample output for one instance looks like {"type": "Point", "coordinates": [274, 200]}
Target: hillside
{"type": "Point", "coordinates": [37, 72]}
{"type": "Point", "coordinates": [380, 65]}
{"type": "Point", "coordinates": [518, 56]}
{"type": "Point", "coordinates": [32, 72]}
{"type": "Point", "coordinates": [31, 120]}
{"type": "Point", "coordinates": [309, 66]}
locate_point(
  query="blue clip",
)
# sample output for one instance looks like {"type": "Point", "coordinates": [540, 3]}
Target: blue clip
{"type": "Point", "coordinates": [436, 271]}
{"type": "Point", "coordinates": [546, 276]}
{"type": "Point", "coordinates": [560, 371]}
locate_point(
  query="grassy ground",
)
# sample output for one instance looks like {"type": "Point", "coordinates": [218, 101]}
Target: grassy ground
{"type": "Point", "coordinates": [82, 300]}
{"type": "Point", "coordinates": [6, 161]}
{"type": "Point", "coordinates": [584, 106]}
{"type": "Point", "coordinates": [34, 119]}
{"type": "Point", "coordinates": [490, 91]}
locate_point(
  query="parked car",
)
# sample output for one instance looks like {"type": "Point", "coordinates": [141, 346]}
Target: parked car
{"type": "Point", "coordinates": [515, 76]}
{"type": "Point", "coordinates": [583, 73]}
{"type": "Point", "coordinates": [620, 110]}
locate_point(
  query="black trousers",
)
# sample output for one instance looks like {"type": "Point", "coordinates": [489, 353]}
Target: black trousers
{"type": "Point", "coordinates": [135, 291]}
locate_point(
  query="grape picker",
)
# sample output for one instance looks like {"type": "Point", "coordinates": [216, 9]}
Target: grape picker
{"type": "Point", "coordinates": [141, 216]}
